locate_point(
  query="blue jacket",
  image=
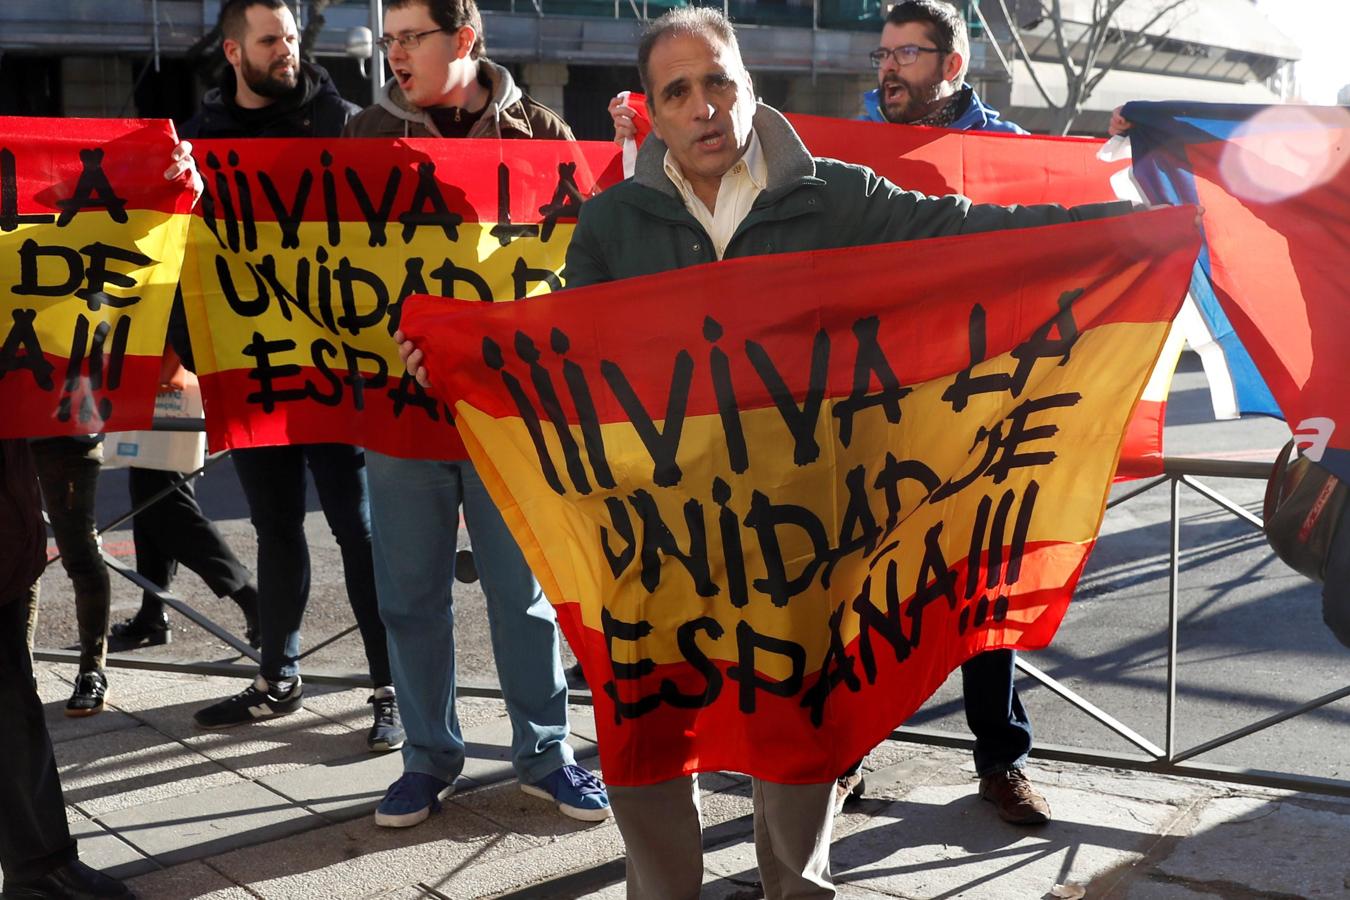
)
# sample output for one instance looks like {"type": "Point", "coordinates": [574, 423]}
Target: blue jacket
{"type": "Point", "coordinates": [975, 116]}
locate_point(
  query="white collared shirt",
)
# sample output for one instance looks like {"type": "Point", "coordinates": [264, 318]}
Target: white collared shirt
{"type": "Point", "coordinates": [740, 186]}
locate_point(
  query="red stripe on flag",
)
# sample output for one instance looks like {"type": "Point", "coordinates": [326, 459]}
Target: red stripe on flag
{"type": "Point", "coordinates": [31, 411]}
{"type": "Point", "coordinates": [47, 165]}
{"type": "Point", "coordinates": [297, 419]}
{"type": "Point", "coordinates": [854, 274]}
{"type": "Point", "coordinates": [671, 739]}
{"type": "Point", "coordinates": [1141, 455]}
{"type": "Point", "coordinates": [355, 179]}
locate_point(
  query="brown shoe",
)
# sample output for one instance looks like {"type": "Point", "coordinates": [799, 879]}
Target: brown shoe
{"type": "Point", "coordinates": [847, 789]}
{"type": "Point", "coordinates": [1015, 798]}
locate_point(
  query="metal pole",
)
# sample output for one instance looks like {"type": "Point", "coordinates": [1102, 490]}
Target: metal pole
{"type": "Point", "coordinates": [376, 57]}
{"type": "Point", "coordinates": [154, 13]}
{"type": "Point", "coordinates": [1173, 603]}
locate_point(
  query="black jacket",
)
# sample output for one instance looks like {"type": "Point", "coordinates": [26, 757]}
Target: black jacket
{"type": "Point", "coordinates": [23, 538]}
{"type": "Point", "coordinates": [313, 109]}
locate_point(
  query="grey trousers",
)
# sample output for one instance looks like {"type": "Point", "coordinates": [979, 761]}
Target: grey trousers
{"type": "Point", "coordinates": [662, 833]}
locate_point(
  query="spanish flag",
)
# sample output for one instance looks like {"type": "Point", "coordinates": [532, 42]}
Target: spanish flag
{"type": "Point", "coordinates": [304, 250]}
{"type": "Point", "coordinates": [776, 500]}
{"type": "Point", "coordinates": [91, 240]}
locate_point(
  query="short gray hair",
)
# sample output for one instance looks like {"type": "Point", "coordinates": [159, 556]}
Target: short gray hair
{"type": "Point", "coordinates": [701, 20]}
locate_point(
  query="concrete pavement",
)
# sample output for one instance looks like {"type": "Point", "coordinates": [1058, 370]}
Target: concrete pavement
{"type": "Point", "coordinates": [281, 809]}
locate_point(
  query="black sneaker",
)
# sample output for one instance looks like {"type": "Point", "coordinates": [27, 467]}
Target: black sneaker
{"type": "Point", "coordinates": [261, 700]}
{"type": "Point", "coordinates": [387, 732]}
{"type": "Point", "coordinates": [140, 631]}
{"type": "Point", "coordinates": [90, 690]}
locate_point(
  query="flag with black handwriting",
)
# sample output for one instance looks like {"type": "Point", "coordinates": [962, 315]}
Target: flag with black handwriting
{"type": "Point", "coordinates": [91, 240]}
{"type": "Point", "coordinates": [304, 250]}
{"type": "Point", "coordinates": [776, 500]}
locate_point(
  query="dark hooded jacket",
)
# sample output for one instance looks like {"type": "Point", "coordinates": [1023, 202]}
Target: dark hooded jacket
{"type": "Point", "coordinates": [313, 109]}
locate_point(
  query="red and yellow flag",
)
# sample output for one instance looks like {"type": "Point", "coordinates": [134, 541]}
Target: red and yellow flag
{"type": "Point", "coordinates": [303, 252]}
{"type": "Point", "coordinates": [91, 240]}
{"type": "Point", "coordinates": [776, 500]}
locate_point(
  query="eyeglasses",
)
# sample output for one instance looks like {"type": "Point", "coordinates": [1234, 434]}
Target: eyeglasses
{"type": "Point", "coordinates": [406, 41]}
{"type": "Point", "coordinates": [904, 55]}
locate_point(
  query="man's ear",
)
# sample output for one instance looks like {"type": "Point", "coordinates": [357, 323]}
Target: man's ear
{"type": "Point", "coordinates": [951, 67]}
{"type": "Point", "coordinates": [233, 51]}
{"type": "Point", "coordinates": [464, 41]}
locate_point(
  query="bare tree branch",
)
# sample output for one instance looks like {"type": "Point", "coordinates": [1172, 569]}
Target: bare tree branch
{"type": "Point", "coordinates": [1086, 59]}
{"type": "Point", "coordinates": [1016, 32]}
{"type": "Point", "coordinates": [1057, 28]}
{"type": "Point", "coordinates": [1126, 48]}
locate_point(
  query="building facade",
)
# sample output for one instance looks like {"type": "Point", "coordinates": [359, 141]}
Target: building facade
{"type": "Point", "coordinates": [154, 57]}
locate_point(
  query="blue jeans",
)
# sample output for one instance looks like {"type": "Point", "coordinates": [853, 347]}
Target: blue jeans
{"type": "Point", "coordinates": [415, 516]}
{"type": "Point", "coordinates": [273, 479]}
{"type": "Point", "coordinates": [994, 712]}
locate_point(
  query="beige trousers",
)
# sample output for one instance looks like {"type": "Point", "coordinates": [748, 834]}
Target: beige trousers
{"type": "Point", "coordinates": [662, 833]}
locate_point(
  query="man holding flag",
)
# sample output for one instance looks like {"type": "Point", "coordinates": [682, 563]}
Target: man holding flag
{"type": "Point", "coordinates": [921, 67]}
{"type": "Point", "coordinates": [723, 177]}
{"type": "Point", "coordinates": [921, 70]}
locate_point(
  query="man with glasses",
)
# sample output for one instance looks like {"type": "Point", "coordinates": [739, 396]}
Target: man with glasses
{"type": "Point", "coordinates": [444, 86]}
{"type": "Point", "coordinates": [443, 89]}
{"type": "Point", "coordinates": [921, 68]}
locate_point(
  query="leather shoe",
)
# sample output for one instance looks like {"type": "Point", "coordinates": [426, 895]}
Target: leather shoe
{"type": "Point", "coordinates": [140, 631]}
{"type": "Point", "coordinates": [73, 881]}
{"type": "Point", "coordinates": [1016, 800]}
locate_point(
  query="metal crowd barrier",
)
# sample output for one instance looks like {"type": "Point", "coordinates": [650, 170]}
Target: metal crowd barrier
{"type": "Point", "coordinates": [1178, 472]}
{"type": "Point", "coordinates": [1169, 759]}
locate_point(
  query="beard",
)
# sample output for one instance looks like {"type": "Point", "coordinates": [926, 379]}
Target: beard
{"type": "Point", "coordinates": [913, 103]}
{"type": "Point", "coordinates": [273, 83]}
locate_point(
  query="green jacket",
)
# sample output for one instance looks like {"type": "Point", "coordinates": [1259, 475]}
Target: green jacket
{"type": "Point", "coordinates": [641, 226]}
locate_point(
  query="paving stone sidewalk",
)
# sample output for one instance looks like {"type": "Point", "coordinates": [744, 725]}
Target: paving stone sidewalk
{"type": "Point", "coordinates": [281, 809]}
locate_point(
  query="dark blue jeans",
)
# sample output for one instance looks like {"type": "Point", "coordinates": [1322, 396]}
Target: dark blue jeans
{"type": "Point", "coordinates": [273, 479]}
{"type": "Point", "coordinates": [994, 712]}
